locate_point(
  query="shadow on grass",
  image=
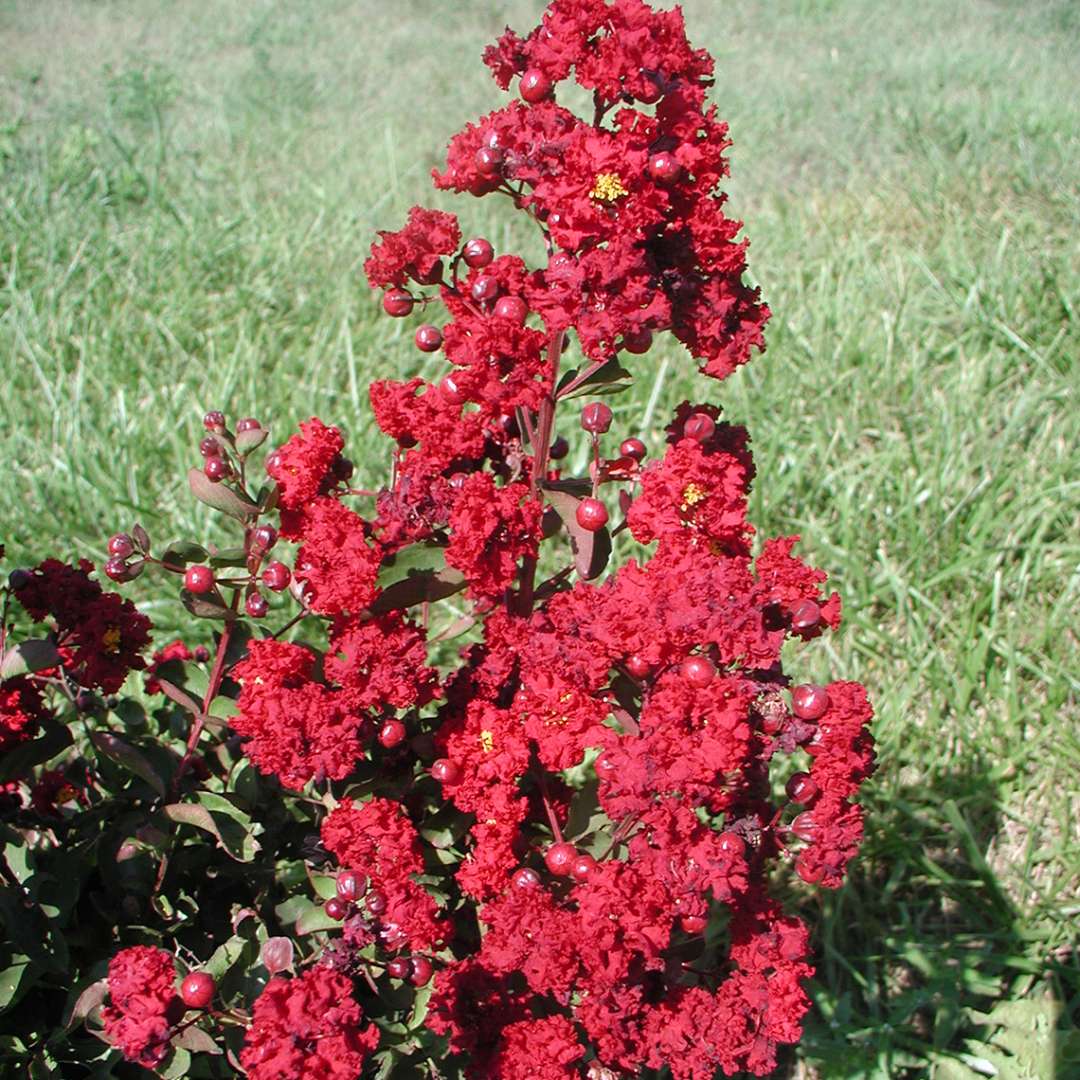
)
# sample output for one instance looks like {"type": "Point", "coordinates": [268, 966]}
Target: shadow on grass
{"type": "Point", "coordinates": [927, 968]}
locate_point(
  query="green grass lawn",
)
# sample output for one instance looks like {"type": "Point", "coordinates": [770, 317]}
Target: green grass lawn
{"type": "Point", "coordinates": [187, 193]}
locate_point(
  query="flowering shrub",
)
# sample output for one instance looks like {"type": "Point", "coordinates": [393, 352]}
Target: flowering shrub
{"type": "Point", "coordinates": [533, 831]}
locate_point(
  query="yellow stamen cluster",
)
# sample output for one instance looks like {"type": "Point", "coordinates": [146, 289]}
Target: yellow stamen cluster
{"type": "Point", "coordinates": [607, 188]}
{"type": "Point", "coordinates": [487, 741]}
{"type": "Point", "coordinates": [692, 496]}
{"type": "Point", "coordinates": [111, 639]}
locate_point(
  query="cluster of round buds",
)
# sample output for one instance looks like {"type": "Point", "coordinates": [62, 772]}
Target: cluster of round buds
{"type": "Point", "coordinates": [127, 555]}
{"type": "Point", "coordinates": [223, 451]}
{"type": "Point", "coordinates": [596, 419]}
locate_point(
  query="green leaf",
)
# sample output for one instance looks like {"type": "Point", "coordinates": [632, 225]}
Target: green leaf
{"type": "Point", "coordinates": [127, 756]}
{"type": "Point", "coordinates": [16, 980]}
{"type": "Point", "coordinates": [37, 654]}
{"type": "Point", "coordinates": [90, 997]}
{"type": "Point", "coordinates": [16, 763]}
{"type": "Point", "coordinates": [315, 919]}
{"type": "Point", "coordinates": [197, 1041]}
{"type": "Point", "coordinates": [420, 586]}
{"type": "Point", "coordinates": [207, 606]}
{"type": "Point", "coordinates": [216, 815]}
{"type": "Point", "coordinates": [220, 496]}
{"type": "Point", "coordinates": [611, 378]}
{"type": "Point", "coordinates": [230, 556]}
{"type": "Point", "coordinates": [179, 1065]}
{"type": "Point", "coordinates": [408, 560]}
{"type": "Point", "coordinates": [225, 956]}
{"type": "Point", "coordinates": [181, 552]}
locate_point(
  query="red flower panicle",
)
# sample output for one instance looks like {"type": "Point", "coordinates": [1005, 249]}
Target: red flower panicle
{"type": "Point", "coordinates": [143, 1007]}
{"type": "Point", "coordinates": [308, 1026]}
{"type": "Point", "coordinates": [569, 827]}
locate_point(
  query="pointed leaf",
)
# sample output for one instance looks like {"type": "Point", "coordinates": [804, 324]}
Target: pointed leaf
{"type": "Point", "coordinates": [220, 496]}
{"type": "Point", "coordinates": [591, 549]}
{"type": "Point", "coordinates": [87, 1001]}
{"type": "Point", "coordinates": [197, 1041]}
{"type": "Point", "coordinates": [314, 920]}
{"type": "Point", "coordinates": [181, 552]}
{"type": "Point", "coordinates": [37, 654]}
{"type": "Point", "coordinates": [16, 763]}
{"type": "Point", "coordinates": [207, 606]}
{"type": "Point", "coordinates": [429, 585]}
{"type": "Point", "coordinates": [127, 756]}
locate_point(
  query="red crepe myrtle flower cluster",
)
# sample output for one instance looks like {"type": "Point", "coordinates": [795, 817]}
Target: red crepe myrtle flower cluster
{"type": "Point", "coordinates": [143, 1006]}
{"type": "Point", "coordinates": [307, 1026]}
{"type": "Point", "coordinates": [526, 808]}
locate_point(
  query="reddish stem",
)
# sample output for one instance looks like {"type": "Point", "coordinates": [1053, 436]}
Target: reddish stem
{"type": "Point", "coordinates": [217, 673]}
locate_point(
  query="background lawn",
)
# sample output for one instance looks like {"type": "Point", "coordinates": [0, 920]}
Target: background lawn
{"type": "Point", "coordinates": [187, 193]}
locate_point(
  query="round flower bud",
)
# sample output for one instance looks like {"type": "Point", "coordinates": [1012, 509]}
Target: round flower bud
{"type": "Point", "coordinates": [399, 967]}
{"type": "Point", "coordinates": [699, 427]}
{"type": "Point", "coordinates": [559, 449]}
{"type": "Point", "coordinates": [397, 303]}
{"type": "Point", "coordinates": [256, 605]}
{"type": "Point", "coordinates": [446, 771]}
{"type": "Point", "coordinates": [526, 878]}
{"type": "Point", "coordinates": [806, 617]}
{"type": "Point", "coordinates": [421, 971]}
{"type": "Point", "coordinates": [477, 252]}
{"type": "Point", "coordinates": [216, 468]}
{"type": "Point", "coordinates": [559, 858]}
{"type": "Point", "coordinates": [485, 288]}
{"type": "Point", "coordinates": [801, 788]}
{"type": "Point", "coordinates": [350, 886]}
{"type": "Point", "coordinates": [632, 448]}
{"type": "Point", "coordinates": [731, 844]}
{"type": "Point", "coordinates": [197, 990]}
{"type": "Point", "coordinates": [535, 86]}
{"type": "Point", "coordinates": [698, 671]}
{"type": "Point", "coordinates": [121, 544]}
{"type": "Point", "coordinates": [664, 167]}
{"type": "Point", "coordinates": [375, 902]}
{"type": "Point", "coordinates": [809, 702]}
{"type": "Point", "coordinates": [264, 537]}
{"type": "Point", "coordinates": [582, 867]}
{"type": "Point", "coordinates": [198, 579]}
{"type": "Point", "coordinates": [591, 515]}
{"type": "Point", "coordinates": [513, 308]}
{"type": "Point", "coordinates": [637, 342]}
{"type": "Point", "coordinates": [489, 161]}
{"type": "Point", "coordinates": [428, 338]}
{"type": "Point", "coordinates": [638, 666]}
{"type": "Point", "coordinates": [336, 908]}
{"type": "Point", "coordinates": [214, 421]}
{"type": "Point", "coordinates": [694, 924]}
{"type": "Point", "coordinates": [391, 733]}
{"type": "Point", "coordinates": [596, 417]}
{"type": "Point", "coordinates": [276, 576]}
